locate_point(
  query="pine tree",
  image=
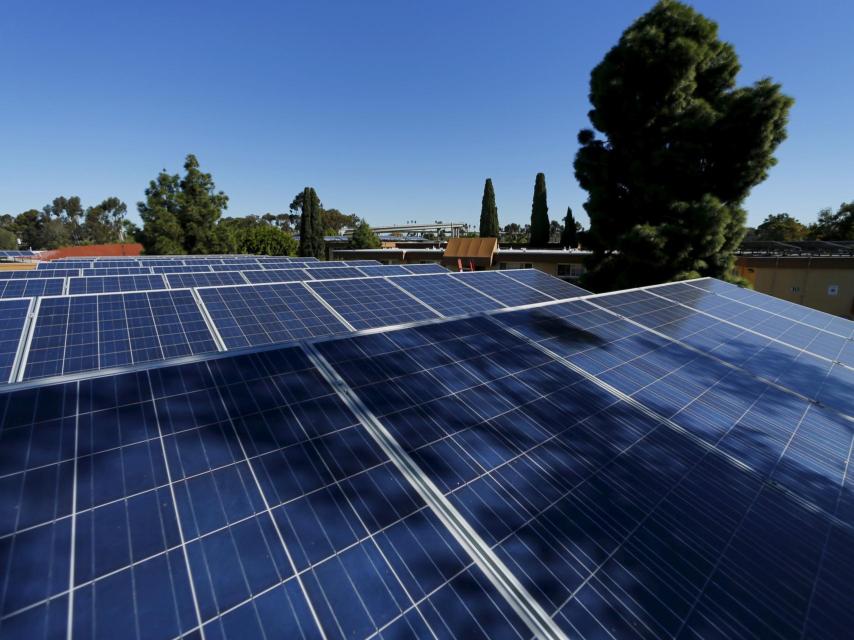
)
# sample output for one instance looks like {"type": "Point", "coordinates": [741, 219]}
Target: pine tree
{"type": "Point", "coordinates": [488, 212]}
{"type": "Point", "coordinates": [162, 233]}
{"type": "Point", "coordinates": [311, 226]}
{"type": "Point", "coordinates": [569, 237]}
{"type": "Point", "coordinates": [200, 207]}
{"type": "Point", "coordinates": [681, 148]}
{"type": "Point", "coordinates": [539, 214]}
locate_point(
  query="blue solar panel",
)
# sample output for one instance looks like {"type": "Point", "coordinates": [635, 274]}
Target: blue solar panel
{"type": "Point", "coordinates": [112, 284]}
{"type": "Point", "coordinates": [505, 290]}
{"type": "Point", "coordinates": [446, 295]}
{"type": "Point", "coordinates": [551, 286]}
{"type": "Point", "coordinates": [181, 268]}
{"type": "Point", "coordinates": [384, 270]}
{"type": "Point", "coordinates": [425, 268]}
{"type": "Point", "coordinates": [328, 265]}
{"type": "Point", "coordinates": [238, 498]}
{"type": "Point", "coordinates": [338, 272]}
{"type": "Point", "coordinates": [34, 273]}
{"type": "Point", "coordinates": [268, 314]}
{"type": "Point", "coordinates": [235, 266]}
{"type": "Point", "coordinates": [116, 271]}
{"type": "Point", "coordinates": [83, 333]}
{"type": "Point", "coordinates": [616, 519]}
{"type": "Point", "coordinates": [64, 264]}
{"type": "Point", "coordinates": [277, 275]}
{"type": "Point", "coordinates": [362, 263]}
{"type": "Point", "coordinates": [14, 316]}
{"type": "Point", "coordinates": [31, 287]}
{"type": "Point", "coordinates": [370, 302]}
{"type": "Point", "coordinates": [116, 264]}
{"type": "Point", "coordinates": [179, 280]}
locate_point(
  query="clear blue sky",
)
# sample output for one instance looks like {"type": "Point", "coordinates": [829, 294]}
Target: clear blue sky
{"type": "Point", "coordinates": [392, 110]}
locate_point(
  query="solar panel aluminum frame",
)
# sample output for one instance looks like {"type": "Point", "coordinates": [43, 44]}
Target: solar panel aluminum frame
{"type": "Point", "coordinates": [25, 338]}
{"type": "Point", "coordinates": [220, 343]}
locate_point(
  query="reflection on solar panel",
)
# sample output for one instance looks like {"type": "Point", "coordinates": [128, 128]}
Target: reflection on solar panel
{"type": "Point", "coordinates": [24, 288]}
{"type": "Point", "coordinates": [239, 497]}
{"type": "Point", "coordinates": [268, 314]}
{"type": "Point", "coordinates": [116, 271]}
{"type": "Point", "coordinates": [111, 284]}
{"type": "Point", "coordinates": [581, 469]}
{"type": "Point", "coordinates": [446, 295]}
{"type": "Point", "coordinates": [34, 273]}
{"type": "Point", "coordinates": [339, 272]}
{"type": "Point", "coordinates": [370, 302]}
{"type": "Point", "coordinates": [14, 314]}
{"type": "Point", "coordinates": [505, 290]}
{"type": "Point", "coordinates": [83, 333]}
{"type": "Point", "coordinates": [384, 270]}
{"type": "Point", "coordinates": [425, 268]}
{"type": "Point", "coordinates": [179, 280]}
{"type": "Point", "coordinates": [554, 287]}
{"type": "Point", "coordinates": [180, 268]}
{"type": "Point", "coordinates": [277, 275]}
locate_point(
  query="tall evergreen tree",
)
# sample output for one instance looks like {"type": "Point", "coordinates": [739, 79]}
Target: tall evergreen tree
{"type": "Point", "coordinates": [569, 237]}
{"type": "Point", "coordinates": [162, 233]}
{"type": "Point", "coordinates": [539, 214]}
{"type": "Point", "coordinates": [200, 207]}
{"type": "Point", "coordinates": [683, 147]}
{"type": "Point", "coordinates": [311, 226]}
{"type": "Point", "coordinates": [488, 212]}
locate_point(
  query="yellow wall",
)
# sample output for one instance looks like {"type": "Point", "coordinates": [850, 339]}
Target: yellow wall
{"type": "Point", "coordinates": [805, 284]}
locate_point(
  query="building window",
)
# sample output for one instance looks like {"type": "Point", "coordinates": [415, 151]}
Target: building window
{"type": "Point", "coordinates": [571, 270]}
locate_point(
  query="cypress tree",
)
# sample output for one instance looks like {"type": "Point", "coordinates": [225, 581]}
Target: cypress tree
{"type": "Point", "coordinates": [488, 212]}
{"type": "Point", "coordinates": [310, 226]}
{"type": "Point", "coordinates": [569, 237]}
{"type": "Point", "coordinates": [539, 214]}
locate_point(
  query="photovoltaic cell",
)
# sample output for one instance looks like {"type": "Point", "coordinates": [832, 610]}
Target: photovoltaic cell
{"type": "Point", "coordinates": [31, 287]}
{"type": "Point", "coordinates": [277, 275]}
{"type": "Point", "coordinates": [239, 497]}
{"type": "Point", "coordinates": [384, 270]}
{"type": "Point", "coordinates": [112, 284]}
{"type": "Point", "coordinates": [370, 302]}
{"type": "Point", "coordinates": [554, 287]}
{"type": "Point", "coordinates": [35, 273]}
{"type": "Point", "coordinates": [505, 290]}
{"type": "Point", "coordinates": [179, 280]}
{"type": "Point", "coordinates": [446, 295]}
{"type": "Point", "coordinates": [268, 314]}
{"type": "Point", "coordinates": [338, 272]}
{"type": "Point", "coordinates": [14, 315]}
{"type": "Point", "coordinates": [425, 268]}
{"type": "Point", "coordinates": [83, 333]}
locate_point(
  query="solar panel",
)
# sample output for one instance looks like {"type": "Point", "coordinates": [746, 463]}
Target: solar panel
{"type": "Point", "coordinates": [339, 272]}
{"type": "Point", "coordinates": [235, 266]}
{"type": "Point", "coordinates": [64, 264]}
{"type": "Point", "coordinates": [34, 273]}
{"type": "Point", "coordinates": [446, 295]}
{"type": "Point", "coordinates": [603, 505]}
{"type": "Point", "coordinates": [328, 265]}
{"type": "Point", "coordinates": [551, 286]}
{"type": "Point", "coordinates": [14, 315]}
{"type": "Point", "coordinates": [116, 271]}
{"type": "Point", "coordinates": [362, 263]}
{"type": "Point", "coordinates": [505, 290]}
{"type": "Point", "coordinates": [384, 270]}
{"type": "Point", "coordinates": [181, 268]}
{"type": "Point", "coordinates": [31, 287]}
{"type": "Point", "coordinates": [194, 502]}
{"type": "Point", "coordinates": [370, 302]}
{"type": "Point", "coordinates": [111, 284]}
{"type": "Point", "coordinates": [83, 333]}
{"type": "Point", "coordinates": [268, 314]}
{"type": "Point", "coordinates": [425, 268]}
{"type": "Point", "coordinates": [116, 264]}
{"type": "Point", "coordinates": [277, 275]}
{"type": "Point", "coordinates": [179, 280]}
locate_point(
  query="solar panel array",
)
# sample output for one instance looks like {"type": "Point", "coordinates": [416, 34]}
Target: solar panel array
{"type": "Point", "coordinates": [611, 466]}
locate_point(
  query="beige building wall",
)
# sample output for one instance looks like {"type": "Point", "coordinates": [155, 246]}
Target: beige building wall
{"type": "Point", "coordinates": [826, 284]}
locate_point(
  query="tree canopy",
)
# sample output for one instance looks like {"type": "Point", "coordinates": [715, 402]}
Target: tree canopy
{"type": "Point", "coordinates": [311, 229]}
{"type": "Point", "coordinates": [364, 237]}
{"type": "Point", "coordinates": [488, 212]}
{"type": "Point", "coordinates": [569, 237]}
{"type": "Point", "coordinates": [539, 214]}
{"type": "Point", "coordinates": [838, 225]}
{"type": "Point", "coordinates": [682, 148]}
{"type": "Point", "coordinates": [256, 235]}
{"type": "Point", "coordinates": [781, 227]}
